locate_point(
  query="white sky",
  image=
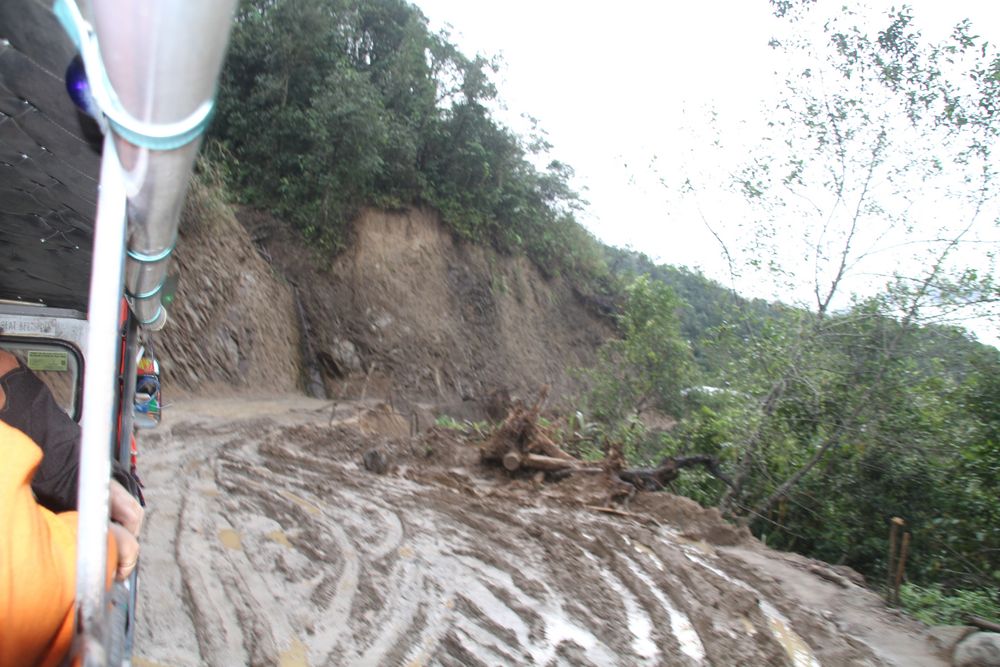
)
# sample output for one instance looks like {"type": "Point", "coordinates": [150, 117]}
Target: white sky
{"type": "Point", "coordinates": [618, 86]}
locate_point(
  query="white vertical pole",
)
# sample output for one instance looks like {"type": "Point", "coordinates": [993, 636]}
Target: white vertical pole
{"type": "Point", "coordinates": [98, 422]}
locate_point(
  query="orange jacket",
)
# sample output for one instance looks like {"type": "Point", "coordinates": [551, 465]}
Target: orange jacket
{"type": "Point", "coordinates": [37, 562]}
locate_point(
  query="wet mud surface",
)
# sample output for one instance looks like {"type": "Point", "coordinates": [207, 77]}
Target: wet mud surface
{"type": "Point", "coordinates": [268, 542]}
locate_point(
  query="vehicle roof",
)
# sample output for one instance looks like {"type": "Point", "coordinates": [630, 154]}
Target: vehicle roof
{"type": "Point", "coordinates": [49, 164]}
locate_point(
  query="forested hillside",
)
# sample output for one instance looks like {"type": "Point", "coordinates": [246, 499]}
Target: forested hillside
{"type": "Point", "coordinates": [829, 420]}
{"type": "Point", "coordinates": [326, 106]}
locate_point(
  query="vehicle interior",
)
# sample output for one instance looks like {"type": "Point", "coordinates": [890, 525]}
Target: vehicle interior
{"type": "Point", "coordinates": [75, 125]}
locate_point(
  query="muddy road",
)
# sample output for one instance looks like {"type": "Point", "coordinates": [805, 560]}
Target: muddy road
{"type": "Point", "coordinates": [269, 542]}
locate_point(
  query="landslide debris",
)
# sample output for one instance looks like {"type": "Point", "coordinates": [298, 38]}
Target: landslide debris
{"type": "Point", "coordinates": [270, 541]}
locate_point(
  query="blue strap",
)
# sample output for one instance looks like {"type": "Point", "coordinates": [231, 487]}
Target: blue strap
{"type": "Point", "coordinates": [155, 316]}
{"type": "Point", "coordinates": [145, 295]}
{"type": "Point", "coordinates": [150, 259]}
{"type": "Point", "coordinates": [154, 136]}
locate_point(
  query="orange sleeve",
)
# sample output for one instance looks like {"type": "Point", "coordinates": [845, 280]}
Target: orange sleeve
{"type": "Point", "coordinates": [37, 562]}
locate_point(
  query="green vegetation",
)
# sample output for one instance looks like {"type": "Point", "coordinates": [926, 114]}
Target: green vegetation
{"type": "Point", "coordinates": [448, 422]}
{"type": "Point", "coordinates": [479, 429]}
{"type": "Point", "coordinates": [647, 368]}
{"type": "Point", "coordinates": [838, 415]}
{"type": "Point", "coordinates": [327, 106]}
{"type": "Point", "coordinates": [831, 418]}
{"type": "Point", "coordinates": [932, 605]}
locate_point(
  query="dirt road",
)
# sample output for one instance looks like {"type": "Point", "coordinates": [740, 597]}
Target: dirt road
{"type": "Point", "coordinates": [268, 542]}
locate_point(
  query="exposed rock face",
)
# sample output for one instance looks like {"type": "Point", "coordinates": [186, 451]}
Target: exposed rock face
{"type": "Point", "coordinates": [408, 314]}
{"type": "Point", "coordinates": [232, 326]}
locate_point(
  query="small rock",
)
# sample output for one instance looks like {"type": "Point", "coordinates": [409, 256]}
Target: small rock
{"type": "Point", "coordinates": [375, 461]}
{"type": "Point", "coordinates": [980, 649]}
{"type": "Point", "coordinates": [345, 354]}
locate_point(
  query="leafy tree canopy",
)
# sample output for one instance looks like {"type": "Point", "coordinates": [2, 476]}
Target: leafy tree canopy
{"type": "Point", "coordinates": [327, 106]}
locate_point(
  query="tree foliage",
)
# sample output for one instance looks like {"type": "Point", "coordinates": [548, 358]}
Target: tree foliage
{"type": "Point", "coordinates": [879, 157]}
{"type": "Point", "coordinates": [864, 399]}
{"type": "Point", "coordinates": [647, 368]}
{"type": "Point", "coordinates": [328, 106]}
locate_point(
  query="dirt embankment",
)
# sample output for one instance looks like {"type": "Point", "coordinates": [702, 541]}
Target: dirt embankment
{"type": "Point", "coordinates": [409, 314]}
{"type": "Point", "coordinates": [232, 327]}
{"type": "Point", "coordinates": [406, 314]}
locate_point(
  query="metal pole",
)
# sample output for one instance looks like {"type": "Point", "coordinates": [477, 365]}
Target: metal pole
{"type": "Point", "coordinates": [98, 422]}
{"type": "Point", "coordinates": [160, 80]}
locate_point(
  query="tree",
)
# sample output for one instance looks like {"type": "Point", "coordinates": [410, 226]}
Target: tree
{"type": "Point", "coordinates": [649, 366]}
{"type": "Point", "coordinates": [879, 157]}
{"type": "Point", "coordinates": [328, 106]}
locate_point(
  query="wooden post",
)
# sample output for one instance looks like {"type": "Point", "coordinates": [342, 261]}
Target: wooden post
{"type": "Point", "coordinates": [901, 566]}
{"type": "Point", "coordinates": [894, 526]}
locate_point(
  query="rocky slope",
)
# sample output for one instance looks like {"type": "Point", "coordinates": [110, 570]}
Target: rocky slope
{"type": "Point", "coordinates": [406, 313]}
{"type": "Point", "coordinates": [232, 327]}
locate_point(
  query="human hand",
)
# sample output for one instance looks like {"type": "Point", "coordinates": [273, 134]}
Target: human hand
{"type": "Point", "coordinates": [125, 509]}
{"type": "Point", "coordinates": [128, 551]}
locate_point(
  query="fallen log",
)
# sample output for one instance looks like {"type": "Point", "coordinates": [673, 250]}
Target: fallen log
{"type": "Point", "coordinates": [543, 444]}
{"type": "Point", "coordinates": [656, 479]}
{"type": "Point", "coordinates": [982, 623]}
{"type": "Point", "coordinates": [514, 461]}
{"type": "Point", "coordinates": [519, 444]}
{"type": "Point", "coordinates": [520, 434]}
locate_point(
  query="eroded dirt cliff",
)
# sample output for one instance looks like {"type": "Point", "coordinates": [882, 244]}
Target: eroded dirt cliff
{"type": "Point", "coordinates": [408, 313]}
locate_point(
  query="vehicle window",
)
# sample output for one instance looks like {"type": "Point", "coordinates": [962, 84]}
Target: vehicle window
{"type": "Point", "coordinates": [56, 364]}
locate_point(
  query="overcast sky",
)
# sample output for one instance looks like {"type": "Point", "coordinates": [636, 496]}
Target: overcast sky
{"type": "Point", "coordinates": [623, 92]}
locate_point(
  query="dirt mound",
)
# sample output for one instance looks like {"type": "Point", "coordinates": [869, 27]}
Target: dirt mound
{"type": "Point", "coordinates": [383, 420]}
{"type": "Point", "coordinates": [233, 327]}
{"type": "Point", "coordinates": [279, 546]}
{"type": "Point", "coordinates": [409, 314]}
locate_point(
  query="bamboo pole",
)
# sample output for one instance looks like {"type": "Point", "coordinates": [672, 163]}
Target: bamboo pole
{"type": "Point", "coordinates": [894, 526]}
{"type": "Point", "coordinates": [902, 565]}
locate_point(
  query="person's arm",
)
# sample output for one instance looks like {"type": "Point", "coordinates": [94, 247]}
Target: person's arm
{"type": "Point", "coordinates": [28, 405]}
{"type": "Point", "coordinates": [37, 563]}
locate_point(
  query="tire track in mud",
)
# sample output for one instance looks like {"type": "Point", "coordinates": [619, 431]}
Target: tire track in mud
{"type": "Point", "coordinates": [292, 554]}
